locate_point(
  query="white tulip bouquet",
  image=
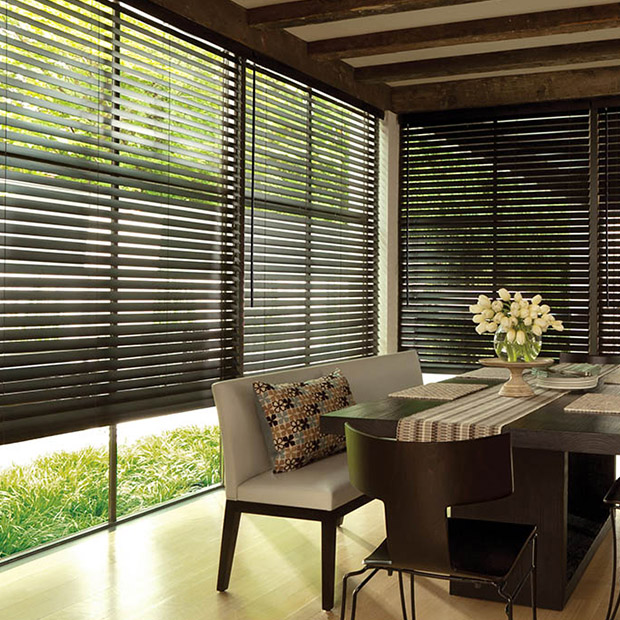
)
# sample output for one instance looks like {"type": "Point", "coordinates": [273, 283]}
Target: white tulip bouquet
{"type": "Point", "coordinates": [517, 323]}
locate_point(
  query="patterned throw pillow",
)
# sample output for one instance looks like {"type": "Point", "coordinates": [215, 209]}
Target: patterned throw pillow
{"type": "Point", "coordinates": [292, 411]}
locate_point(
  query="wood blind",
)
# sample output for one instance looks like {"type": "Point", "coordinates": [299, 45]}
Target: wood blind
{"type": "Point", "coordinates": [608, 132]}
{"type": "Point", "coordinates": [119, 254]}
{"type": "Point", "coordinates": [310, 226]}
{"type": "Point", "coordinates": [490, 202]}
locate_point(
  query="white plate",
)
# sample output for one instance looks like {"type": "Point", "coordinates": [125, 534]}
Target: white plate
{"type": "Point", "coordinates": [577, 383]}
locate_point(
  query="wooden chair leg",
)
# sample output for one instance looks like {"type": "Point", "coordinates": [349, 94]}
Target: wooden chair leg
{"type": "Point", "coordinates": [232, 516]}
{"type": "Point", "coordinates": [328, 561]}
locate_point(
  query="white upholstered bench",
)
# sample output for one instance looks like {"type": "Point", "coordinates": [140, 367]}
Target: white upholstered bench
{"type": "Point", "coordinates": [319, 491]}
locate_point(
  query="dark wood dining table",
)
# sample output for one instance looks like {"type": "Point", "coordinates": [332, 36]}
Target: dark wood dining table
{"type": "Point", "coordinates": [563, 465]}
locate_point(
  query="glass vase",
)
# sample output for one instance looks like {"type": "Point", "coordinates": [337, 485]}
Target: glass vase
{"type": "Point", "coordinates": [515, 352]}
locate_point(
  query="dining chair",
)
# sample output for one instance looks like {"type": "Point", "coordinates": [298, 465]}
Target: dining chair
{"type": "Point", "coordinates": [612, 497]}
{"type": "Point", "coordinates": [585, 358]}
{"type": "Point", "coordinates": [418, 484]}
{"type": "Point", "coordinates": [612, 500]}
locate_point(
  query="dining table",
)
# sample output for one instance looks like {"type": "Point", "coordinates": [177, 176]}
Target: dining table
{"type": "Point", "coordinates": [563, 464]}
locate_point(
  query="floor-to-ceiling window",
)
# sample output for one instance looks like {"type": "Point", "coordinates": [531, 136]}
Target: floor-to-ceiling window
{"type": "Point", "coordinates": [525, 199]}
{"type": "Point", "coordinates": [128, 194]}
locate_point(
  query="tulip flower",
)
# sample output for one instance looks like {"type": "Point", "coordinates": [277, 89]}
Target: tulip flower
{"type": "Point", "coordinates": [512, 319]}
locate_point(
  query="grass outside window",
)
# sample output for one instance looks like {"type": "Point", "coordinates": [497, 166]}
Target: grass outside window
{"type": "Point", "coordinates": [66, 492]}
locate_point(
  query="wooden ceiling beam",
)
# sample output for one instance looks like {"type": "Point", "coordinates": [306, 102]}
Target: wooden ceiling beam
{"type": "Point", "coordinates": [507, 90]}
{"type": "Point", "coordinates": [562, 21]}
{"type": "Point", "coordinates": [534, 58]}
{"type": "Point", "coordinates": [305, 12]}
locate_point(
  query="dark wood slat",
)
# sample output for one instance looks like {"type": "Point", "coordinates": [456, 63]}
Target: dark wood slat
{"type": "Point", "coordinates": [554, 55]}
{"type": "Point", "coordinates": [506, 90]}
{"type": "Point", "coordinates": [290, 14]}
{"type": "Point", "coordinates": [564, 21]}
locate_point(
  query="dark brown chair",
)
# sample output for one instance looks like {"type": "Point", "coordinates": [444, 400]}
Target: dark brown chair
{"type": "Point", "coordinates": [584, 358]}
{"type": "Point", "coordinates": [418, 483]}
{"type": "Point", "coordinates": [612, 499]}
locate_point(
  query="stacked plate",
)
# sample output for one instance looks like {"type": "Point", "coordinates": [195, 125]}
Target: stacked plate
{"type": "Point", "coordinates": [567, 383]}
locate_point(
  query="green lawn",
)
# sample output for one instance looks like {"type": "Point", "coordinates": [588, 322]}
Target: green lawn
{"type": "Point", "coordinates": [65, 492]}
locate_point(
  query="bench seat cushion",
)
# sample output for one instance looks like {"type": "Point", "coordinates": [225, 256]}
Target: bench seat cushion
{"type": "Point", "coordinates": [323, 485]}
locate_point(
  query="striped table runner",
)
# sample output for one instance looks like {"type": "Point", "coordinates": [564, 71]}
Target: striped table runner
{"type": "Point", "coordinates": [477, 415]}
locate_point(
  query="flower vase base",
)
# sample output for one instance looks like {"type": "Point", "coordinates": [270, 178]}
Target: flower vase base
{"type": "Point", "coordinates": [516, 387]}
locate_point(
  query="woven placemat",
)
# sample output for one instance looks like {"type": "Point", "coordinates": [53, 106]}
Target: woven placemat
{"type": "Point", "coordinates": [488, 373]}
{"type": "Point", "coordinates": [595, 403]}
{"type": "Point", "coordinates": [439, 391]}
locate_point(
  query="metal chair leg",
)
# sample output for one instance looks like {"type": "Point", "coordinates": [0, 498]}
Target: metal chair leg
{"type": "Point", "coordinates": [509, 610]}
{"type": "Point", "coordinates": [412, 588]}
{"type": "Point", "coordinates": [614, 567]}
{"type": "Point", "coordinates": [344, 588]}
{"type": "Point", "coordinates": [356, 591]}
{"type": "Point", "coordinates": [403, 603]}
{"type": "Point", "coordinates": [533, 575]}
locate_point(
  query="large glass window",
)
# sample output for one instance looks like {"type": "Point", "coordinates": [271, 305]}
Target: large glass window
{"type": "Point", "coordinates": [131, 152]}
{"type": "Point", "coordinates": [495, 199]}
{"type": "Point", "coordinates": [310, 226]}
{"type": "Point", "coordinates": [119, 268]}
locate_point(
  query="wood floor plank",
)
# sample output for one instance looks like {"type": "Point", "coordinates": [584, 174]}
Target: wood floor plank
{"type": "Point", "coordinates": [164, 566]}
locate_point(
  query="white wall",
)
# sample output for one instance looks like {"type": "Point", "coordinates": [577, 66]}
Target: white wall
{"type": "Point", "coordinates": [388, 233]}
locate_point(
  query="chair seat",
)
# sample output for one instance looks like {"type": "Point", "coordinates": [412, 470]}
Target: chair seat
{"type": "Point", "coordinates": [482, 549]}
{"type": "Point", "coordinates": [613, 495]}
{"type": "Point", "coordinates": [322, 485]}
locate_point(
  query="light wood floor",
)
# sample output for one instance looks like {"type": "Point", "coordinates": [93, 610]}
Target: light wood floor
{"type": "Point", "coordinates": [163, 567]}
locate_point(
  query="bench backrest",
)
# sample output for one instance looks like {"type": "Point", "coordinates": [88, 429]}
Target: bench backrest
{"type": "Point", "coordinates": [245, 453]}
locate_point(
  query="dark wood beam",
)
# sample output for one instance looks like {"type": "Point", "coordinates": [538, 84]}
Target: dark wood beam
{"type": "Point", "coordinates": [507, 90]}
{"type": "Point", "coordinates": [534, 58]}
{"type": "Point", "coordinates": [228, 23]}
{"type": "Point", "coordinates": [304, 12]}
{"type": "Point", "coordinates": [547, 23]}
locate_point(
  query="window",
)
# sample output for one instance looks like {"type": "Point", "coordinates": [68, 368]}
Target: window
{"type": "Point", "coordinates": [119, 220]}
{"type": "Point", "coordinates": [310, 221]}
{"type": "Point", "coordinates": [124, 190]}
{"type": "Point", "coordinates": [492, 200]}
{"type": "Point", "coordinates": [608, 190]}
